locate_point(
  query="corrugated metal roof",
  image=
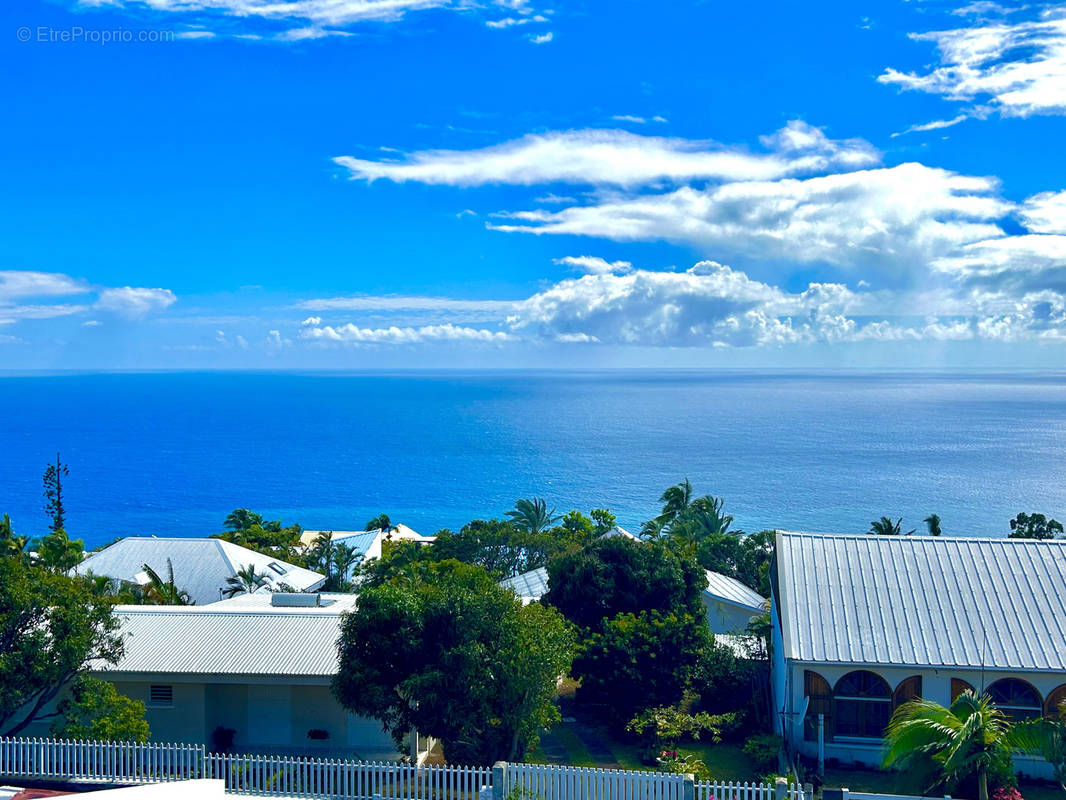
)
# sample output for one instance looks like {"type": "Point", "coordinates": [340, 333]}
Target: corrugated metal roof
{"type": "Point", "coordinates": [730, 589]}
{"type": "Point", "coordinates": [923, 601]}
{"type": "Point", "coordinates": [201, 566]}
{"type": "Point", "coordinates": [215, 640]}
{"type": "Point", "coordinates": [530, 585]}
{"type": "Point", "coordinates": [329, 603]}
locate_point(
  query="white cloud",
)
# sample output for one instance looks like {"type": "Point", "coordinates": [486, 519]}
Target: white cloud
{"type": "Point", "coordinates": [10, 314]}
{"type": "Point", "coordinates": [320, 12]}
{"type": "Point", "coordinates": [134, 302]}
{"type": "Point", "coordinates": [894, 219]}
{"type": "Point", "coordinates": [1045, 212]}
{"type": "Point", "coordinates": [629, 118]}
{"type": "Point", "coordinates": [593, 265]}
{"type": "Point", "coordinates": [614, 157]}
{"type": "Point", "coordinates": [15, 284]}
{"type": "Point", "coordinates": [542, 38]}
{"type": "Point", "coordinates": [92, 323]}
{"type": "Point", "coordinates": [935, 125]}
{"type": "Point", "coordinates": [352, 334]}
{"type": "Point", "coordinates": [400, 303]}
{"type": "Point", "coordinates": [311, 321]}
{"type": "Point", "coordinates": [1026, 262]}
{"type": "Point", "coordinates": [1018, 68]}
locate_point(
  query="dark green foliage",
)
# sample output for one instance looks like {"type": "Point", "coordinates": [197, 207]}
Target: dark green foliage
{"type": "Point", "coordinates": [532, 515]}
{"type": "Point", "coordinates": [53, 494]}
{"type": "Point", "coordinates": [639, 661]}
{"type": "Point", "coordinates": [156, 592]}
{"type": "Point", "coordinates": [722, 682]}
{"type": "Point", "coordinates": [249, 529]}
{"type": "Point", "coordinates": [603, 520]}
{"type": "Point", "coordinates": [51, 627]}
{"type": "Point", "coordinates": [443, 649]}
{"type": "Point", "coordinates": [380, 523]}
{"type": "Point", "coordinates": [617, 575]}
{"type": "Point", "coordinates": [1034, 526]}
{"type": "Point", "coordinates": [663, 728]}
{"type": "Point", "coordinates": [499, 546]}
{"type": "Point", "coordinates": [763, 750]}
{"type": "Point", "coordinates": [58, 552]}
{"type": "Point", "coordinates": [95, 710]}
{"type": "Point", "coordinates": [745, 557]}
{"type": "Point", "coordinates": [886, 527]}
{"type": "Point", "coordinates": [932, 522]}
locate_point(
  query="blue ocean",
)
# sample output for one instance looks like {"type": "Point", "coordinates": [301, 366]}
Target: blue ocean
{"type": "Point", "coordinates": [171, 454]}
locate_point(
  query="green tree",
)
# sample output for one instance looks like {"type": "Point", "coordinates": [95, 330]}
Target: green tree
{"type": "Point", "coordinates": [241, 519]}
{"type": "Point", "coordinates": [944, 746]}
{"type": "Point", "coordinates": [933, 523]}
{"type": "Point", "coordinates": [886, 527]}
{"type": "Point", "coordinates": [53, 494]}
{"type": "Point", "coordinates": [444, 650]}
{"type": "Point", "coordinates": [58, 552]}
{"type": "Point", "coordinates": [616, 575]}
{"type": "Point", "coordinates": [159, 592]}
{"type": "Point", "coordinates": [639, 661]}
{"type": "Point", "coordinates": [95, 710]}
{"type": "Point", "coordinates": [576, 528]}
{"type": "Point", "coordinates": [245, 581]}
{"type": "Point", "coordinates": [532, 515]}
{"type": "Point", "coordinates": [380, 523]}
{"type": "Point", "coordinates": [604, 520]}
{"type": "Point", "coordinates": [1034, 526]}
{"type": "Point", "coordinates": [11, 544]}
{"type": "Point", "coordinates": [51, 628]}
{"type": "Point", "coordinates": [320, 555]}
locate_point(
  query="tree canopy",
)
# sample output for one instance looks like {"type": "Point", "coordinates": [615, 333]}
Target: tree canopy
{"type": "Point", "coordinates": [96, 710]}
{"type": "Point", "coordinates": [1034, 526]}
{"type": "Point", "coordinates": [616, 575]}
{"type": "Point", "coordinates": [444, 650]}
{"type": "Point", "coordinates": [51, 627]}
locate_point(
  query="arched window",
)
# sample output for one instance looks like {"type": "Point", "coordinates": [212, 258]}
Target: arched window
{"type": "Point", "coordinates": [1053, 703]}
{"type": "Point", "coordinates": [908, 689]}
{"type": "Point", "coordinates": [1016, 698]}
{"type": "Point", "coordinates": [958, 686]}
{"type": "Point", "coordinates": [862, 705]}
{"type": "Point", "coordinates": [820, 694]}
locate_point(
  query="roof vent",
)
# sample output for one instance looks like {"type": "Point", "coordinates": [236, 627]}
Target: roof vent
{"type": "Point", "coordinates": [295, 600]}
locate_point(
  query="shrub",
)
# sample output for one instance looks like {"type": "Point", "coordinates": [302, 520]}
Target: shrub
{"type": "Point", "coordinates": [1007, 793]}
{"type": "Point", "coordinates": [763, 751]}
{"type": "Point", "coordinates": [661, 729]}
{"type": "Point", "coordinates": [672, 761]}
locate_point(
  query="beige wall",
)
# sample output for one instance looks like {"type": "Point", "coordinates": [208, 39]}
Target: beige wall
{"type": "Point", "coordinates": [182, 723]}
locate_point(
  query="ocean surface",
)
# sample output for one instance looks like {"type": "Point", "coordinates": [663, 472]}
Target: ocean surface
{"type": "Point", "coordinates": [171, 454]}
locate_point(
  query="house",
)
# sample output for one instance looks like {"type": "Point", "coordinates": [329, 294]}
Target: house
{"type": "Point", "coordinates": [257, 665]}
{"type": "Point", "coordinates": [368, 543]}
{"type": "Point", "coordinates": [201, 566]}
{"type": "Point", "coordinates": [864, 623]}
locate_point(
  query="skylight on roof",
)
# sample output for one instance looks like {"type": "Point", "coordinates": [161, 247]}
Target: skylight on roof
{"type": "Point", "coordinates": [274, 565]}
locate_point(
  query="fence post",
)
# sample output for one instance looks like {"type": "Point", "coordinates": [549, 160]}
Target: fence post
{"type": "Point", "coordinates": [808, 791]}
{"type": "Point", "coordinates": [780, 789]}
{"type": "Point", "coordinates": [499, 770]}
{"type": "Point", "coordinates": [688, 787]}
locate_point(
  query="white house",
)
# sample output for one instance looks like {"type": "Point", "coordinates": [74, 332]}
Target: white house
{"type": "Point", "coordinates": [201, 566]}
{"type": "Point", "coordinates": [864, 623]}
{"type": "Point", "coordinates": [369, 543]}
{"type": "Point", "coordinates": [259, 665]}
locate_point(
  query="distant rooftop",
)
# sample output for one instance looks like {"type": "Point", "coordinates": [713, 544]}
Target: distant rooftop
{"type": "Point", "coordinates": [201, 566]}
{"type": "Point", "coordinates": [923, 601]}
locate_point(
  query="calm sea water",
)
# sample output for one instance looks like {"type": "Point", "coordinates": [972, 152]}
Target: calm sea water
{"type": "Point", "coordinates": [171, 454]}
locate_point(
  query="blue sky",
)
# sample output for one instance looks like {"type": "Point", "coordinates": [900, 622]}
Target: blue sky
{"type": "Point", "coordinates": [428, 183]}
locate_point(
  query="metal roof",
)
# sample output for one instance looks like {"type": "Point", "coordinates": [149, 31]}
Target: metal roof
{"type": "Point", "coordinates": [230, 638]}
{"type": "Point", "coordinates": [923, 601]}
{"type": "Point", "coordinates": [201, 566]}
{"type": "Point", "coordinates": [723, 587]}
{"type": "Point", "coordinates": [530, 585]}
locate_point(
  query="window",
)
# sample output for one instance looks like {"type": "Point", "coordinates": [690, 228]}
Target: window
{"type": "Point", "coordinates": [1016, 698]}
{"type": "Point", "coordinates": [908, 689]}
{"type": "Point", "coordinates": [820, 693]}
{"type": "Point", "coordinates": [862, 704]}
{"type": "Point", "coordinates": [958, 686]}
{"type": "Point", "coordinates": [1053, 705]}
{"type": "Point", "coordinates": [276, 567]}
{"type": "Point", "coordinates": [160, 696]}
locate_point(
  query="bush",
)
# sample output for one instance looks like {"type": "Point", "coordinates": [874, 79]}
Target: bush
{"type": "Point", "coordinates": [661, 729]}
{"type": "Point", "coordinates": [96, 710]}
{"type": "Point", "coordinates": [1007, 793]}
{"type": "Point", "coordinates": [672, 761]}
{"type": "Point", "coordinates": [763, 752]}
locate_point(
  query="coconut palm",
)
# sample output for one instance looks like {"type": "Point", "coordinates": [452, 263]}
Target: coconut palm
{"type": "Point", "coordinates": [886, 527]}
{"type": "Point", "coordinates": [532, 516]}
{"type": "Point", "coordinates": [381, 523]}
{"type": "Point", "coordinates": [345, 559]}
{"type": "Point", "coordinates": [933, 523]}
{"type": "Point", "coordinates": [245, 581]}
{"type": "Point", "coordinates": [320, 553]}
{"type": "Point", "coordinates": [946, 745]}
{"type": "Point", "coordinates": [241, 519]}
{"type": "Point", "coordinates": [10, 544]}
{"type": "Point", "coordinates": [163, 593]}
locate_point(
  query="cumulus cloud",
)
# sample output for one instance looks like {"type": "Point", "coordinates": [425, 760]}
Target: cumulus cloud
{"type": "Point", "coordinates": [620, 158]}
{"type": "Point", "coordinates": [353, 334]}
{"type": "Point", "coordinates": [896, 219]}
{"type": "Point", "coordinates": [1016, 68]}
{"type": "Point", "coordinates": [134, 302]}
{"type": "Point", "coordinates": [1045, 212]}
{"type": "Point", "coordinates": [541, 38]}
{"type": "Point", "coordinates": [1026, 262]}
{"type": "Point", "coordinates": [594, 265]}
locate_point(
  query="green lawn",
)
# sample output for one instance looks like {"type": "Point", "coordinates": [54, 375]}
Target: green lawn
{"type": "Point", "coordinates": [892, 783]}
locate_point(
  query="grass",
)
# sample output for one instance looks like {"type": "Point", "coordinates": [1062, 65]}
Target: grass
{"type": "Point", "coordinates": [881, 782]}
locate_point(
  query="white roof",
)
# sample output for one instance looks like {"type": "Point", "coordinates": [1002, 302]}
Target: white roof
{"type": "Point", "coordinates": [620, 531]}
{"type": "Point", "coordinates": [201, 566]}
{"type": "Point", "coordinates": [923, 601]}
{"type": "Point", "coordinates": [368, 542]}
{"type": "Point", "coordinates": [530, 585]}
{"type": "Point", "coordinates": [243, 636]}
{"type": "Point", "coordinates": [723, 587]}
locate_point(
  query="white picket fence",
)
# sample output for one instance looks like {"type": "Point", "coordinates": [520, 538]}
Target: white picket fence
{"type": "Point", "coordinates": [588, 783]}
{"type": "Point", "coordinates": [338, 779]}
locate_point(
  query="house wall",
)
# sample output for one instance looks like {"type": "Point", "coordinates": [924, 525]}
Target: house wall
{"type": "Point", "coordinates": [725, 617]}
{"type": "Point", "coordinates": [183, 722]}
{"type": "Point", "coordinates": [936, 686]}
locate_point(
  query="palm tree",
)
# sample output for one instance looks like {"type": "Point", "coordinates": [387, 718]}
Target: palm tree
{"type": "Point", "coordinates": [946, 745]}
{"type": "Point", "coordinates": [320, 554]}
{"type": "Point", "coordinates": [704, 518]}
{"type": "Point", "coordinates": [10, 544]}
{"type": "Point", "coordinates": [245, 581]}
{"type": "Point", "coordinates": [933, 522]}
{"type": "Point", "coordinates": [163, 593]}
{"type": "Point", "coordinates": [886, 527]}
{"type": "Point", "coordinates": [381, 523]}
{"type": "Point", "coordinates": [241, 519]}
{"type": "Point", "coordinates": [345, 559]}
{"type": "Point", "coordinates": [532, 516]}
